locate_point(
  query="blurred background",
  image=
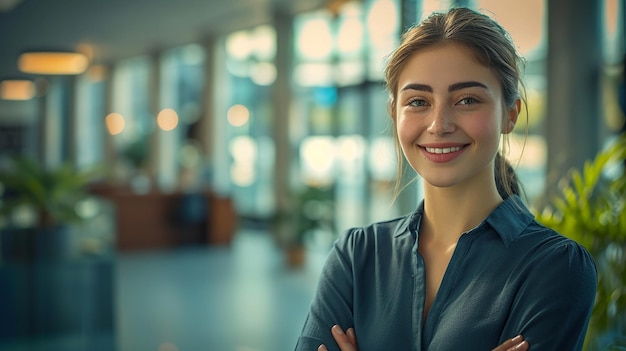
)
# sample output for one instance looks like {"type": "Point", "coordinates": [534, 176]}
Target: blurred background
{"type": "Point", "coordinates": [174, 172]}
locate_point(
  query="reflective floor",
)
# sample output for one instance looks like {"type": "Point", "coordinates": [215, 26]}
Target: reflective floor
{"type": "Point", "coordinates": [237, 298]}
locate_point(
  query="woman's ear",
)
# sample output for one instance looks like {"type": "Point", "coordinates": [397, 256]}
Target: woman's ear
{"type": "Point", "coordinates": [392, 111]}
{"type": "Point", "coordinates": [512, 114]}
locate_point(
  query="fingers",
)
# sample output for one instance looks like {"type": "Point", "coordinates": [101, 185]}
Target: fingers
{"type": "Point", "coordinates": [352, 336]}
{"type": "Point", "coordinates": [515, 344]}
{"type": "Point", "coordinates": [345, 340]}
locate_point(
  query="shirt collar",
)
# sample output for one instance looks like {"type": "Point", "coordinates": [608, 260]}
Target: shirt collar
{"type": "Point", "coordinates": [410, 223]}
{"type": "Point", "coordinates": [509, 219]}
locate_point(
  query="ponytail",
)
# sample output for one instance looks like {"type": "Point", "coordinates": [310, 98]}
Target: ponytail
{"type": "Point", "coordinates": [506, 179]}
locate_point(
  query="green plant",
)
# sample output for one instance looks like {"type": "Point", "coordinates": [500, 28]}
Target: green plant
{"type": "Point", "coordinates": [313, 208]}
{"type": "Point", "coordinates": [52, 194]}
{"type": "Point", "coordinates": [316, 210]}
{"type": "Point", "coordinates": [591, 210]}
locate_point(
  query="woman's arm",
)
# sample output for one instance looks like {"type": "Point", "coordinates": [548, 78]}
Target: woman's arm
{"type": "Point", "coordinates": [347, 341]}
{"type": "Point", "coordinates": [553, 305]}
{"type": "Point", "coordinates": [332, 303]}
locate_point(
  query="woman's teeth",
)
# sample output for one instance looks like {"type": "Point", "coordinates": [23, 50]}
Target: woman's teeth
{"type": "Point", "coordinates": [445, 150]}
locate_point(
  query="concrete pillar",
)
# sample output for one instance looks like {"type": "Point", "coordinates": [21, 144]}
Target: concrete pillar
{"type": "Point", "coordinates": [573, 117]}
{"type": "Point", "coordinates": [54, 122]}
{"type": "Point", "coordinates": [71, 152]}
{"type": "Point", "coordinates": [154, 158]}
{"type": "Point", "coordinates": [109, 146]}
{"type": "Point", "coordinates": [281, 106]}
{"type": "Point", "coordinates": [462, 3]}
{"type": "Point", "coordinates": [205, 133]}
{"type": "Point", "coordinates": [409, 10]}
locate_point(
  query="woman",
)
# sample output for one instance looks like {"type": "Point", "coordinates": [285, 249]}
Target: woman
{"type": "Point", "coordinates": [470, 269]}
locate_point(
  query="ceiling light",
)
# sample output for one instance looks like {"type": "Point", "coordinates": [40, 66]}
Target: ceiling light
{"type": "Point", "coordinates": [17, 89]}
{"type": "Point", "coordinates": [50, 62]}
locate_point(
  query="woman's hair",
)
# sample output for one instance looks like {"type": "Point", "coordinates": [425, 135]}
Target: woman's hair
{"type": "Point", "coordinates": [493, 48]}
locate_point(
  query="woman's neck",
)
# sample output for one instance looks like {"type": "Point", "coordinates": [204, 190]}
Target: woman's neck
{"type": "Point", "coordinates": [449, 212]}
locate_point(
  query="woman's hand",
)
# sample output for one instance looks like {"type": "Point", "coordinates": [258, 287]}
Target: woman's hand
{"type": "Point", "coordinates": [516, 344]}
{"type": "Point", "coordinates": [347, 341]}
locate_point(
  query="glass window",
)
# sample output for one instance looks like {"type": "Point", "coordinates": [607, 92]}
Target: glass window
{"type": "Point", "coordinates": [340, 108]}
{"type": "Point", "coordinates": [90, 129]}
{"type": "Point", "coordinates": [182, 80]}
{"type": "Point", "coordinates": [131, 122]}
{"type": "Point", "coordinates": [248, 80]}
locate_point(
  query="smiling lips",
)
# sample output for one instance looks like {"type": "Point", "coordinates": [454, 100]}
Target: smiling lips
{"type": "Point", "coordinates": [442, 154]}
{"type": "Point", "coordinates": [444, 150]}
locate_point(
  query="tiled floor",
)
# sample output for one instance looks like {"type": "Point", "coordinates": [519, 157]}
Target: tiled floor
{"type": "Point", "coordinates": [237, 298]}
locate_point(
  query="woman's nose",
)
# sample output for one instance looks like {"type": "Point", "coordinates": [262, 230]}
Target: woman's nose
{"type": "Point", "coordinates": [442, 121]}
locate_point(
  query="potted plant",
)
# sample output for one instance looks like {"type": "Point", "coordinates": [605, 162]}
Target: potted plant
{"type": "Point", "coordinates": [313, 210]}
{"type": "Point", "coordinates": [37, 207]}
{"type": "Point", "coordinates": [591, 210]}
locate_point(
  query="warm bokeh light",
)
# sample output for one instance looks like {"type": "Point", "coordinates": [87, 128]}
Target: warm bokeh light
{"type": "Point", "coordinates": [238, 115]}
{"type": "Point", "coordinates": [350, 147]}
{"type": "Point", "coordinates": [115, 123]}
{"type": "Point", "coordinates": [53, 62]}
{"type": "Point", "coordinates": [382, 159]}
{"type": "Point", "coordinates": [317, 154]}
{"type": "Point", "coordinates": [18, 89]}
{"type": "Point", "coordinates": [611, 16]}
{"type": "Point", "coordinates": [351, 30]}
{"type": "Point", "coordinates": [382, 21]}
{"type": "Point", "coordinates": [97, 73]}
{"type": "Point", "coordinates": [243, 150]}
{"type": "Point", "coordinates": [313, 74]}
{"type": "Point", "coordinates": [316, 40]}
{"type": "Point", "coordinates": [522, 19]}
{"type": "Point", "coordinates": [87, 50]}
{"type": "Point", "coordinates": [263, 73]}
{"type": "Point", "coordinates": [167, 119]}
{"type": "Point", "coordinates": [430, 6]}
{"type": "Point", "coordinates": [239, 45]}
{"type": "Point", "coordinates": [264, 42]}
{"type": "Point", "coordinates": [527, 151]}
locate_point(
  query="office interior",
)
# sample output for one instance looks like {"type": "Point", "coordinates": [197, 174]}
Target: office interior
{"type": "Point", "coordinates": [221, 133]}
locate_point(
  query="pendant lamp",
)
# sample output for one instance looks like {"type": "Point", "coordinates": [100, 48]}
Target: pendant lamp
{"type": "Point", "coordinates": [52, 62]}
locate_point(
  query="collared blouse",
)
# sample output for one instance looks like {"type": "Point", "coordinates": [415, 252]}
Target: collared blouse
{"type": "Point", "coordinates": [510, 275]}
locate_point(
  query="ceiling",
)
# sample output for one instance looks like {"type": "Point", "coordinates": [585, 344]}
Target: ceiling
{"type": "Point", "coordinates": [117, 29]}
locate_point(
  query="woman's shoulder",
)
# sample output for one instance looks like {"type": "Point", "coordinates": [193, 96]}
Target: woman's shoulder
{"type": "Point", "coordinates": [551, 248]}
{"type": "Point", "coordinates": [378, 237]}
{"type": "Point", "coordinates": [533, 237]}
{"type": "Point", "coordinates": [381, 230]}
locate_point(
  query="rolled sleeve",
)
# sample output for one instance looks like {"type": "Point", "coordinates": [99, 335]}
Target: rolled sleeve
{"type": "Point", "coordinates": [333, 300]}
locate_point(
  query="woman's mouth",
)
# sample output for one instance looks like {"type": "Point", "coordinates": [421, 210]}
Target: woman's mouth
{"type": "Point", "coordinates": [443, 153]}
{"type": "Point", "coordinates": [442, 150]}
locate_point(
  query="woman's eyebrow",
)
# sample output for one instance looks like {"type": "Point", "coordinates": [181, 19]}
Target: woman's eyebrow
{"type": "Point", "coordinates": [416, 86]}
{"type": "Point", "coordinates": [451, 88]}
{"type": "Point", "coordinates": [463, 85]}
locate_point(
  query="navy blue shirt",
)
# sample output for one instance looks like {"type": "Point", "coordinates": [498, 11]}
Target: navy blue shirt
{"type": "Point", "coordinates": [508, 276]}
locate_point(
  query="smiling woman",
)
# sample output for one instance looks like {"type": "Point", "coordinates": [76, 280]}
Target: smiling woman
{"type": "Point", "coordinates": [470, 268]}
{"type": "Point", "coordinates": [450, 102]}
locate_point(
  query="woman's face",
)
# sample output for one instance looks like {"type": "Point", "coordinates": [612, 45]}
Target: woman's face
{"type": "Point", "coordinates": [449, 115]}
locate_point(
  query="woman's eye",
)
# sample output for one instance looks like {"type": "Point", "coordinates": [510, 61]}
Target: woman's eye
{"type": "Point", "coordinates": [417, 103]}
{"type": "Point", "coordinates": [467, 101]}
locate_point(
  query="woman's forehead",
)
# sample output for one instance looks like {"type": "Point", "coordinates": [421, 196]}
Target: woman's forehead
{"type": "Point", "coordinates": [444, 65]}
